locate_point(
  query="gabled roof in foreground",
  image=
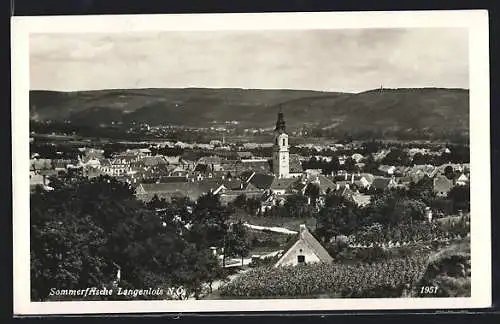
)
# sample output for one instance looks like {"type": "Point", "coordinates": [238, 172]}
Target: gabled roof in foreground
{"type": "Point", "coordinates": [308, 239]}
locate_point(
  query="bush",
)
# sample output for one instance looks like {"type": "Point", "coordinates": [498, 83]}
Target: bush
{"type": "Point", "coordinates": [370, 255]}
{"type": "Point", "coordinates": [449, 270]}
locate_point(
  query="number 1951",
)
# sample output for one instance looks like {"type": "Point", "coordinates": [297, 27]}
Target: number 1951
{"type": "Point", "coordinates": [429, 290]}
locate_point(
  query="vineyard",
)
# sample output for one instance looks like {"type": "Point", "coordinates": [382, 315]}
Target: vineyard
{"type": "Point", "coordinates": [392, 278]}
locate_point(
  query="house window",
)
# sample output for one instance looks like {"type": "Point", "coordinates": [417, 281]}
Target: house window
{"type": "Point", "coordinates": [283, 142]}
{"type": "Point", "coordinates": [301, 259]}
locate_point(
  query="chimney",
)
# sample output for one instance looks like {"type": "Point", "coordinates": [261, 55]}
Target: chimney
{"type": "Point", "coordinates": [302, 228]}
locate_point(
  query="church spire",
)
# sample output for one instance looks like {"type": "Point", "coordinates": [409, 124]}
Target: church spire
{"type": "Point", "coordinates": [280, 123]}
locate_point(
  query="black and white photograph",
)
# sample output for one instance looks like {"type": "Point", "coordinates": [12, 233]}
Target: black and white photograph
{"type": "Point", "coordinates": [184, 167]}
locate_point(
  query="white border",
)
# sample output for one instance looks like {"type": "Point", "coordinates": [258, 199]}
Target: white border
{"type": "Point", "coordinates": [475, 20]}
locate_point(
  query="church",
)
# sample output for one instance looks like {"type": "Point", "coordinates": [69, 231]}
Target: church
{"type": "Point", "coordinates": [284, 165]}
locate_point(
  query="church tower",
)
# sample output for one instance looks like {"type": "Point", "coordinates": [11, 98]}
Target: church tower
{"type": "Point", "coordinates": [281, 158]}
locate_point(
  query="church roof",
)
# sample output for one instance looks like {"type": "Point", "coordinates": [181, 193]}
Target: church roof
{"type": "Point", "coordinates": [280, 123]}
{"type": "Point", "coordinates": [257, 166]}
{"type": "Point", "coordinates": [283, 183]}
{"type": "Point", "coordinates": [262, 181]}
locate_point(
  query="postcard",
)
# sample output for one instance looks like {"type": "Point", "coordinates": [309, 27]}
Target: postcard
{"type": "Point", "coordinates": [251, 162]}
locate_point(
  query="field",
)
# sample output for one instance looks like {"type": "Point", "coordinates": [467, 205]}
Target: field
{"type": "Point", "coordinates": [381, 279]}
{"type": "Point", "coordinates": [394, 277]}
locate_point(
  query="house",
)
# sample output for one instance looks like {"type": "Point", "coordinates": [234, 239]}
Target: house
{"type": "Point", "coordinates": [305, 250]}
{"type": "Point", "coordinates": [262, 166]}
{"type": "Point", "coordinates": [261, 181]}
{"type": "Point", "coordinates": [313, 172]}
{"type": "Point", "coordinates": [282, 186]}
{"type": "Point", "coordinates": [462, 180]}
{"type": "Point", "coordinates": [116, 166]}
{"type": "Point", "coordinates": [209, 163]}
{"type": "Point", "coordinates": [179, 171]}
{"type": "Point", "coordinates": [404, 181]}
{"type": "Point", "coordinates": [361, 200]}
{"type": "Point", "coordinates": [401, 171]}
{"type": "Point", "coordinates": [92, 163]}
{"type": "Point", "coordinates": [60, 164]}
{"type": "Point", "coordinates": [359, 181]}
{"type": "Point", "coordinates": [368, 177]}
{"type": "Point", "coordinates": [442, 185]}
{"type": "Point", "coordinates": [244, 155]}
{"type": "Point", "coordinates": [380, 155]}
{"type": "Point", "coordinates": [154, 160]}
{"type": "Point", "coordinates": [172, 160]}
{"type": "Point", "coordinates": [40, 164]}
{"type": "Point", "coordinates": [383, 183]}
{"type": "Point", "coordinates": [168, 191]}
{"type": "Point", "coordinates": [91, 153]}
{"type": "Point", "coordinates": [357, 157]}
{"type": "Point", "coordinates": [455, 167]}
{"type": "Point", "coordinates": [387, 169]}
{"type": "Point", "coordinates": [172, 179]}
{"type": "Point", "coordinates": [324, 184]}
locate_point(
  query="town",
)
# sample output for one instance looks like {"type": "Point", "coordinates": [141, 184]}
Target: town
{"type": "Point", "coordinates": [279, 189]}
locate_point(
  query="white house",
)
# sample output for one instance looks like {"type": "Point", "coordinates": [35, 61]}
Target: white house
{"type": "Point", "coordinates": [305, 251]}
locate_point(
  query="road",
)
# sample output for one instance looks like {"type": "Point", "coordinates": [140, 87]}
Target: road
{"type": "Point", "coordinates": [275, 229]}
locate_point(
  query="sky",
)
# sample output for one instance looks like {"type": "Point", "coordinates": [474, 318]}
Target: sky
{"type": "Point", "coordinates": [347, 60]}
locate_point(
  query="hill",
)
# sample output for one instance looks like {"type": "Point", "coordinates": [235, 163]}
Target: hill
{"type": "Point", "coordinates": [432, 110]}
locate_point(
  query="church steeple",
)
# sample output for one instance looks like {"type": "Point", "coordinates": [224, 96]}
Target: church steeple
{"type": "Point", "coordinates": [280, 123]}
{"type": "Point", "coordinates": [281, 159]}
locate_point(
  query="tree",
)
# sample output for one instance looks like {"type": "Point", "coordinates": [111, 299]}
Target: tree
{"type": "Point", "coordinates": [396, 157]}
{"type": "Point", "coordinates": [83, 230]}
{"type": "Point", "coordinates": [338, 216]}
{"type": "Point", "coordinates": [408, 211]}
{"type": "Point", "coordinates": [332, 166]}
{"type": "Point", "coordinates": [209, 222]}
{"type": "Point", "coordinates": [460, 195]}
{"type": "Point", "coordinates": [237, 242]}
{"type": "Point", "coordinates": [448, 172]}
{"type": "Point", "coordinates": [253, 206]}
{"type": "Point", "coordinates": [371, 166]}
{"type": "Point", "coordinates": [350, 165]}
{"type": "Point", "coordinates": [312, 191]}
{"type": "Point", "coordinates": [296, 205]}
{"type": "Point", "coordinates": [371, 147]}
{"type": "Point", "coordinates": [240, 201]}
